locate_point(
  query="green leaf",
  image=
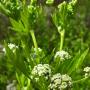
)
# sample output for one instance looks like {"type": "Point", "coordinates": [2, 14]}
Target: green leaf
{"type": "Point", "coordinates": [21, 64]}
{"type": "Point", "coordinates": [81, 58]}
{"type": "Point", "coordinates": [3, 9]}
{"type": "Point", "coordinates": [17, 60]}
{"type": "Point", "coordinates": [17, 26]}
{"type": "Point", "coordinates": [77, 61]}
{"type": "Point", "coordinates": [25, 18]}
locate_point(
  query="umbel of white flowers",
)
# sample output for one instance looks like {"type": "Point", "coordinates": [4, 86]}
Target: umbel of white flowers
{"type": "Point", "coordinates": [60, 82]}
{"type": "Point", "coordinates": [63, 55]}
{"type": "Point", "coordinates": [87, 71]}
{"type": "Point", "coordinates": [11, 46]}
{"type": "Point", "coordinates": [41, 70]}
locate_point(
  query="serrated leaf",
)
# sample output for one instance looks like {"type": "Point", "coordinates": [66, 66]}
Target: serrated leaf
{"type": "Point", "coordinates": [3, 8]}
{"type": "Point", "coordinates": [17, 25]}
{"type": "Point", "coordinates": [25, 18]}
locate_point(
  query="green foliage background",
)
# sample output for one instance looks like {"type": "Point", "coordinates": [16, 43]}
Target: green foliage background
{"type": "Point", "coordinates": [77, 37]}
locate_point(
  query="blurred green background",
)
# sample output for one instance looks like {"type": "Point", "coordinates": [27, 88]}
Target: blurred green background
{"type": "Point", "coordinates": [77, 36]}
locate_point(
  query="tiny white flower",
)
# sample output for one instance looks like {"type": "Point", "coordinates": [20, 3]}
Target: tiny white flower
{"type": "Point", "coordinates": [63, 85]}
{"type": "Point", "coordinates": [87, 71]}
{"type": "Point", "coordinates": [42, 70]}
{"type": "Point", "coordinates": [55, 82]}
{"type": "Point", "coordinates": [62, 55]}
{"type": "Point", "coordinates": [56, 76]}
{"type": "Point", "coordinates": [11, 46]}
{"type": "Point", "coordinates": [4, 50]}
{"type": "Point", "coordinates": [66, 78]}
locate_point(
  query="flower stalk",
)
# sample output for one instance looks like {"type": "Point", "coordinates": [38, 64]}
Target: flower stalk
{"type": "Point", "coordinates": [62, 39]}
{"type": "Point", "coordinates": [34, 39]}
{"type": "Point", "coordinates": [80, 80]}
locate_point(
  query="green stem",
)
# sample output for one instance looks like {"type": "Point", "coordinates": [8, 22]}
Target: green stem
{"type": "Point", "coordinates": [24, 2]}
{"type": "Point", "coordinates": [34, 39]}
{"type": "Point", "coordinates": [62, 39]}
{"type": "Point", "coordinates": [83, 79]}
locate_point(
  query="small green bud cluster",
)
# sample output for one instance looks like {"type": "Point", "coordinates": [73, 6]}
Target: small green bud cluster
{"type": "Point", "coordinates": [63, 15]}
{"type": "Point", "coordinates": [37, 52]}
{"type": "Point", "coordinates": [68, 6]}
{"type": "Point", "coordinates": [31, 8]}
{"type": "Point", "coordinates": [10, 6]}
{"type": "Point", "coordinates": [49, 1]}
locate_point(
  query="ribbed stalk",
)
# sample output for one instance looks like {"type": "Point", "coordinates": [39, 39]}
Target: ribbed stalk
{"type": "Point", "coordinates": [62, 39]}
{"type": "Point", "coordinates": [34, 39]}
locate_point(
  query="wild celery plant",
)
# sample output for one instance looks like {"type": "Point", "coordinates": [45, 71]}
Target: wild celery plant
{"type": "Point", "coordinates": [62, 17]}
{"type": "Point", "coordinates": [35, 70]}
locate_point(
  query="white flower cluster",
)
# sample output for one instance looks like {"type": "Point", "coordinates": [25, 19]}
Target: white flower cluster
{"type": "Point", "coordinates": [60, 82]}
{"type": "Point", "coordinates": [87, 71]}
{"type": "Point", "coordinates": [42, 70]}
{"type": "Point", "coordinates": [11, 46]}
{"type": "Point", "coordinates": [62, 55]}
